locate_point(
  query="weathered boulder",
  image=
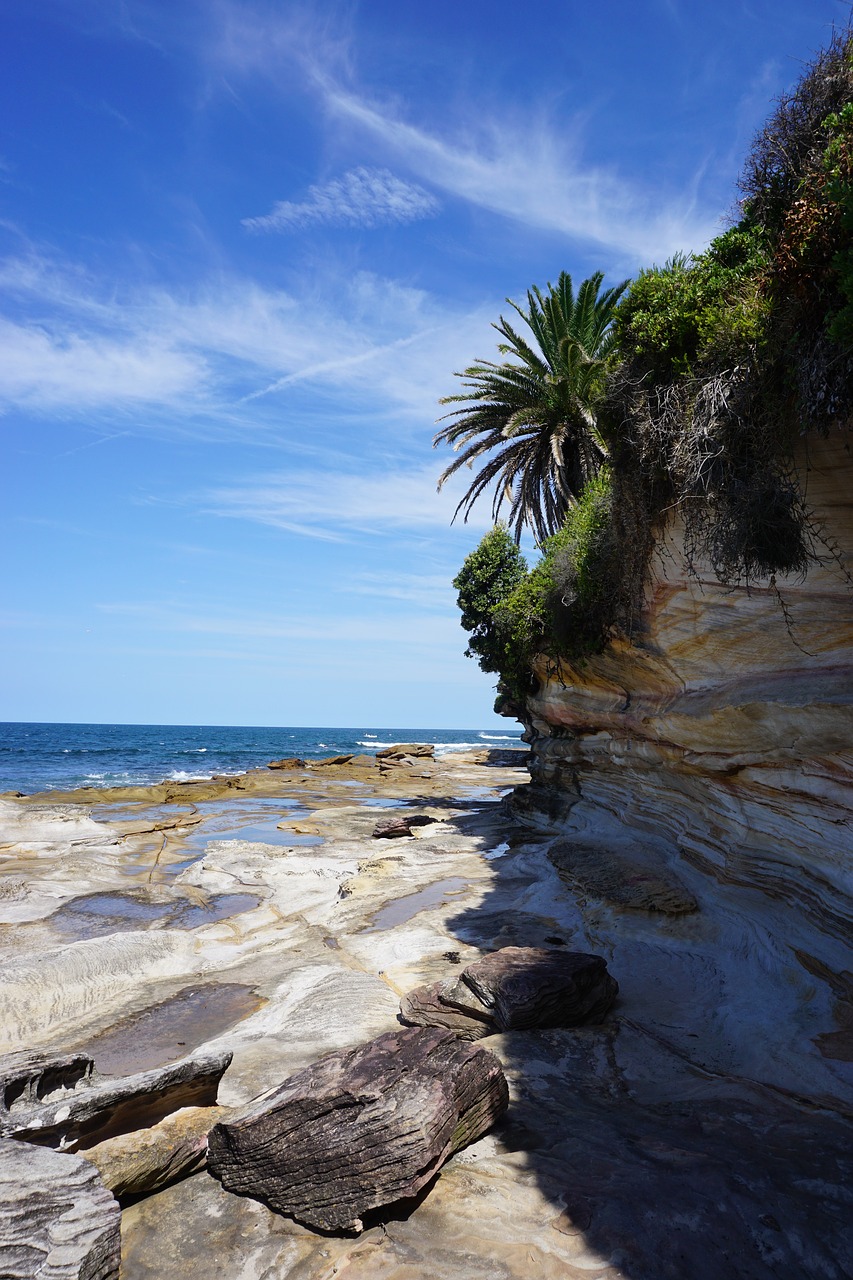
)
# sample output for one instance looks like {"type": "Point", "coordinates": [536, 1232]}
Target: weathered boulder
{"type": "Point", "coordinates": [512, 989]}
{"type": "Point", "coordinates": [360, 1129]}
{"type": "Point", "coordinates": [145, 1160]}
{"type": "Point", "coordinates": [61, 1101]}
{"type": "Point", "coordinates": [330, 760]}
{"type": "Point", "coordinates": [402, 826]}
{"type": "Point", "coordinates": [392, 829]}
{"type": "Point", "coordinates": [414, 750]}
{"type": "Point", "coordinates": [57, 1222]}
{"type": "Point", "coordinates": [288, 762]}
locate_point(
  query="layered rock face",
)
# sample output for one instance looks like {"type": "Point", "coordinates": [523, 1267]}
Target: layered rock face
{"type": "Point", "coordinates": [718, 747]}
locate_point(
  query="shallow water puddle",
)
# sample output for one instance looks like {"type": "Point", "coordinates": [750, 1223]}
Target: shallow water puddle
{"type": "Point", "coordinates": [403, 909]}
{"type": "Point", "coordinates": [171, 1030]}
{"type": "Point", "coordinates": [97, 914]}
{"type": "Point", "coordinates": [255, 821]}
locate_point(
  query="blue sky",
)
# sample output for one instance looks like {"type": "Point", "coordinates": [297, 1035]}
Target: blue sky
{"type": "Point", "coordinates": [243, 249]}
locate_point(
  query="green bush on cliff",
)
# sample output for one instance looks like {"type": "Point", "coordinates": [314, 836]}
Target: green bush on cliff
{"type": "Point", "coordinates": [487, 578]}
{"type": "Point", "coordinates": [563, 606]}
{"type": "Point", "coordinates": [696, 310]}
{"type": "Point", "coordinates": [717, 364]}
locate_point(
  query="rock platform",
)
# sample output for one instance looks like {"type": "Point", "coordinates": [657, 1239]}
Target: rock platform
{"type": "Point", "coordinates": [699, 1130]}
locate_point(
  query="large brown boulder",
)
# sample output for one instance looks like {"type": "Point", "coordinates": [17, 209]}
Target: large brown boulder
{"type": "Point", "coordinates": [512, 989]}
{"type": "Point", "coordinates": [360, 1129]}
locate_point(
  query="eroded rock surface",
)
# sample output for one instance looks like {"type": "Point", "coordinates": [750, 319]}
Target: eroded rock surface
{"type": "Point", "coordinates": [516, 987]}
{"type": "Point", "coordinates": [57, 1221]}
{"type": "Point", "coordinates": [64, 1102]}
{"type": "Point", "coordinates": [362, 1129]}
{"type": "Point", "coordinates": [618, 879]}
{"type": "Point", "coordinates": [738, 1013]}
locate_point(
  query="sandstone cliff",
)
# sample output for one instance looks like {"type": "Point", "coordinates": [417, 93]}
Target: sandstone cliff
{"type": "Point", "coordinates": [719, 746]}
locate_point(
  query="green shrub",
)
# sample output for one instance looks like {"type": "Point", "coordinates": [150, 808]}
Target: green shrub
{"type": "Point", "coordinates": [562, 608]}
{"type": "Point", "coordinates": [698, 309]}
{"type": "Point", "coordinates": [487, 578]}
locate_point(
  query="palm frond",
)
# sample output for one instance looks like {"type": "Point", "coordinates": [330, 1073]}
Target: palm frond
{"type": "Point", "coordinates": [532, 417]}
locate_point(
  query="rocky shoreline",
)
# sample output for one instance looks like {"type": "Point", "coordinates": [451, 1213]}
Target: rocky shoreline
{"type": "Point", "coordinates": [265, 918]}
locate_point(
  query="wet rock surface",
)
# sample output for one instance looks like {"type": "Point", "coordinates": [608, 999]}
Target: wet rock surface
{"type": "Point", "coordinates": [360, 1130]}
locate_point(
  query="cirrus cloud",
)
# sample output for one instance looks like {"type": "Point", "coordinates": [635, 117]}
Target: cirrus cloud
{"type": "Point", "coordinates": [361, 198]}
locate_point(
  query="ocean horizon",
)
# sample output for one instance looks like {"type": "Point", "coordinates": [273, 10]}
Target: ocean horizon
{"type": "Point", "coordinates": [41, 756]}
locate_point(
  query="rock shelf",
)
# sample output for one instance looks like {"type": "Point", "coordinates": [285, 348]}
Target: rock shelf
{"type": "Point", "coordinates": [701, 1129]}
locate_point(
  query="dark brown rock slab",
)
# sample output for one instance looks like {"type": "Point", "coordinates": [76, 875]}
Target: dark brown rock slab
{"type": "Point", "coordinates": [515, 988]}
{"type": "Point", "coordinates": [57, 1220]}
{"type": "Point", "coordinates": [392, 829]}
{"type": "Point", "coordinates": [360, 1129]}
{"type": "Point", "coordinates": [615, 879]}
{"type": "Point", "coordinates": [62, 1101]}
{"type": "Point", "coordinates": [288, 762]}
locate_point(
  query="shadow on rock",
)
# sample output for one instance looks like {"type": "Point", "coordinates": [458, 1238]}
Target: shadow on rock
{"type": "Point", "coordinates": [666, 1167]}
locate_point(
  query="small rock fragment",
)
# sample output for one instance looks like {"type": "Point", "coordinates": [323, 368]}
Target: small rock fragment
{"type": "Point", "coordinates": [392, 829]}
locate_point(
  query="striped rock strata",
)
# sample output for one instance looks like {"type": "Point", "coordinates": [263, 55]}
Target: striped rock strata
{"type": "Point", "coordinates": [716, 752]}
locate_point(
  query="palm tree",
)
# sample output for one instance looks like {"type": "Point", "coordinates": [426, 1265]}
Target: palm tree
{"type": "Point", "coordinates": [537, 414]}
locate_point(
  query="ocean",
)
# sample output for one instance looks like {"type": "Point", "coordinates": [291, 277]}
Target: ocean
{"type": "Point", "coordinates": [45, 757]}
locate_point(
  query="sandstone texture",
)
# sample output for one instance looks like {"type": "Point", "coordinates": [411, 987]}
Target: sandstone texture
{"type": "Point", "coordinates": [57, 1222]}
{"type": "Point", "coordinates": [145, 1160]}
{"type": "Point", "coordinates": [516, 987]}
{"type": "Point", "coordinates": [362, 1129]}
{"type": "Point", "coordinates": [702, 1129]}
{"type": "Point", "coordinates": [708, 768]}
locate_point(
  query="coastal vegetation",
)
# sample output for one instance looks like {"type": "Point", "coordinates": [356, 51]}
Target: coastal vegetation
{"type": "Point", "coordinates": [536, 413]}
{"type": "Point", "coordinates": [682, 393]}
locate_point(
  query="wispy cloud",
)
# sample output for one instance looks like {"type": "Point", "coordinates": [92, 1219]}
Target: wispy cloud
{"type": "Point", "coordinates": [329, 504]}
{"type": "Point", "coordinates": [429, 591]}
{"type": "Point", "coordinates": [528, 172]}
{"type": "Point", "coordinates": [521, 165]}
{"type": "Point", "coordinates": [171, 616]}
{"type": "Point", "coordinates": [361, 198]}
{"type": "Point", "coordinates": [72, 342]}
{"type": "Point", "coordinates": [55, 368]}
